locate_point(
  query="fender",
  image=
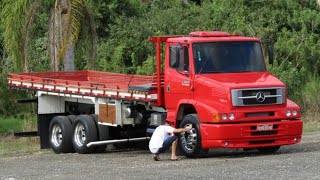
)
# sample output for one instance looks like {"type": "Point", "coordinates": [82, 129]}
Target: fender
{"type": "Point", "coordinates": [204, 111]}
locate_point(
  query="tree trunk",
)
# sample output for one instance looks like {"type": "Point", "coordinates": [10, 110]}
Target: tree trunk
{"type": "Point", "coordinates": [55, 36]}
{"type": "Point", "coordinates": [68, 59]}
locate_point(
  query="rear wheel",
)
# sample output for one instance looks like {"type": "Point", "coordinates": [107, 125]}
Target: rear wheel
{"type": "Point", "coordinates": [268, 150]}
{"type": "Point", "coordinates": [72, 118]}
{"type": "Point", "coordinates": [85, 131]}
{"type": "Point", "coordinates": [60, 134]}
{"type": "Point", "coordinates": [190, 141]}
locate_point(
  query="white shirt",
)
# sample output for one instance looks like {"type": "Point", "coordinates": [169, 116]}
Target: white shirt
{"type": "Point", "coordinates": [159, 136]}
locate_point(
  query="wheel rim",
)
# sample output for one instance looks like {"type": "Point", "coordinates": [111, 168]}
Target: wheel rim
{"type": "Point", "coordinates": [189, 139]}
{"type": "Point", "coordinates": [56, 137]}
{"type": "Point", "coordinates": [80, 135]}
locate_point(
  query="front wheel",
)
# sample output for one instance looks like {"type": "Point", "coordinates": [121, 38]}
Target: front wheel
{"type": "Point", "coordinates": [190, 141]}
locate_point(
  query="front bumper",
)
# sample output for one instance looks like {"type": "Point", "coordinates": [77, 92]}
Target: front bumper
{"type": "Point", "coordinates": [246, 135]}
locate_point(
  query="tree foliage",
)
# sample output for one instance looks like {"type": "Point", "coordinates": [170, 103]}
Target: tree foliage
{"type": "Point", "coordinates": [64, 23]}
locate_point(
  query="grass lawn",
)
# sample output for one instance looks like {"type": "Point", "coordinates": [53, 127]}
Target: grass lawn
{"type": "Point", "coordinates": [15, 146]}
{"type": "Point", "coordinates": [10, 125]}
{"type": "Point", "coordinates": [12, 146]}
{"type": "Point", "coordinates": [311, 127]}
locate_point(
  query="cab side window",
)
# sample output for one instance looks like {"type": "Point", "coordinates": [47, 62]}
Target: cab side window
{"type": "Point", "coordinates": [179, 58]}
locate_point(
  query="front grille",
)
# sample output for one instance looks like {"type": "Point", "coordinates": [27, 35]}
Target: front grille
{"type": "Point", "coordinates": [257, 96]}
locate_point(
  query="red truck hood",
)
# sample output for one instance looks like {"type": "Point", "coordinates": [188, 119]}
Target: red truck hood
{"type": "Point", "coordinates": [242, 80]}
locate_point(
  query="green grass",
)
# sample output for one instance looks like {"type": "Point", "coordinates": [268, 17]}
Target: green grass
{"type": "Point", "coordinates": [311, 127]}
{"type": "Point", "coordinates": [10, 124]}
{"type": "Point", "coordinates": [14, 146]}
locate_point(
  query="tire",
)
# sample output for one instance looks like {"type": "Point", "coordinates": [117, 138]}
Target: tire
{"type": "Point", "coordinates": [190, 141]}
{"type": "Point", "coordinates": [72, 118]}
{"type": "Point", "coordinates": [268, 150]}
{"type": "Point", "coordinates": [60, 134]}
{"type": "Point", "coordinates": [85, 131]}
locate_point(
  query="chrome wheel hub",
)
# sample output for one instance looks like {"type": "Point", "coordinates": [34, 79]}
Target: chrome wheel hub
{"type": "Point", "coordinates": [189, 139]}
{"type": "Point", "coordinates": [80, 135]}
{"type": "Point", "coordinates": [56, 136]}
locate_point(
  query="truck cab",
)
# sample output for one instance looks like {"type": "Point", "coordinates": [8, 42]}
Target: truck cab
{"type": "Point", "coordinates": [219, 83]}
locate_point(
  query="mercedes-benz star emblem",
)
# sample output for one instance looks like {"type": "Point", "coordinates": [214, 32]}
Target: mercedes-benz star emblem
{"type": "Point", "coordinates": [260, 97]}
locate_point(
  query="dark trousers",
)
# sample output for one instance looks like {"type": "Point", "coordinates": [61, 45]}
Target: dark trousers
{"type": "Point", "coordinates": [167, 144]}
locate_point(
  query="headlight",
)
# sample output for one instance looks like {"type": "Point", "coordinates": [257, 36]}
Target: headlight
{"type": "Point", "coordinates": [288, 113]}
{"type": "Point", "coordinates": [231, 116]}
{"type": "Point", "coordinates": [224, 117]}
{"type": "Point", "coordinates": [294, 112]}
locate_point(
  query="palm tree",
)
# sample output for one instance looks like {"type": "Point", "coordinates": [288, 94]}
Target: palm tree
{"type": "Point", "coordinates": [65, 21]}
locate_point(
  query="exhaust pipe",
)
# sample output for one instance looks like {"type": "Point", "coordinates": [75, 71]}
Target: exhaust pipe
{"type": "Point", "coordinates": [97, 143]}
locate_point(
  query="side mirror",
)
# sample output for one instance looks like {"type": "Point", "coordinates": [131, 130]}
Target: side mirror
{"type": "Point", "coordinates": [270, 54]}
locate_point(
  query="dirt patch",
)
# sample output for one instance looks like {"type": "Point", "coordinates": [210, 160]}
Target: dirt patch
{"type": "Point", "coordinates": [13, 146]}
{"type": "Point", "coordinates": [7, 137]}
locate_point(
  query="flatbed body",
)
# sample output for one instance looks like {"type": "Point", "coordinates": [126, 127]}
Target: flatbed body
{"type": "Point", "coordinates": [89, 83]}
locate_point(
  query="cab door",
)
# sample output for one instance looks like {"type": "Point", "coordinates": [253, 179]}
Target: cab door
{"type": "Point", "coordinates": [177, 77]}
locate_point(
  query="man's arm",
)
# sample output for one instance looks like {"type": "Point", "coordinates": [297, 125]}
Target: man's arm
{"type": "Point", "coordinates": [181, 130]}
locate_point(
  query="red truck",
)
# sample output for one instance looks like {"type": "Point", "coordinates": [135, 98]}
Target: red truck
{"type": "Point", "coordinates": [216, 81]}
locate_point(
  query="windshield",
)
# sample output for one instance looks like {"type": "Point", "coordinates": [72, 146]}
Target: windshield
{"type": "Point", "coordinates": [228, 57]}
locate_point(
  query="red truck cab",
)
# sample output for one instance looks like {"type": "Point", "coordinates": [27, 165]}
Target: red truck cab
{"type": "Point", "coordinates": [219, 83]}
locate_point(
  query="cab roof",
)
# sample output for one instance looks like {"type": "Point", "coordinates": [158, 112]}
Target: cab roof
{"type": "Point", "coordinates": [202, 36]}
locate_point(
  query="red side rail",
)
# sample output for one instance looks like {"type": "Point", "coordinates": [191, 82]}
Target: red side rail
{"type": "Point", "coordinates": [92, 80]}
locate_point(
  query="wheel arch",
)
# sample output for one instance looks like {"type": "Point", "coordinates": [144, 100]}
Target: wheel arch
{"type": "Point", "coordinates": [183, 110]}
{"type": "Point", "coordinates": [188, 106]}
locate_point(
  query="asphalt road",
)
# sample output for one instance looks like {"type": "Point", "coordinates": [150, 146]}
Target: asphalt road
{"type": "Point", "coordinates": [301, 161]}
